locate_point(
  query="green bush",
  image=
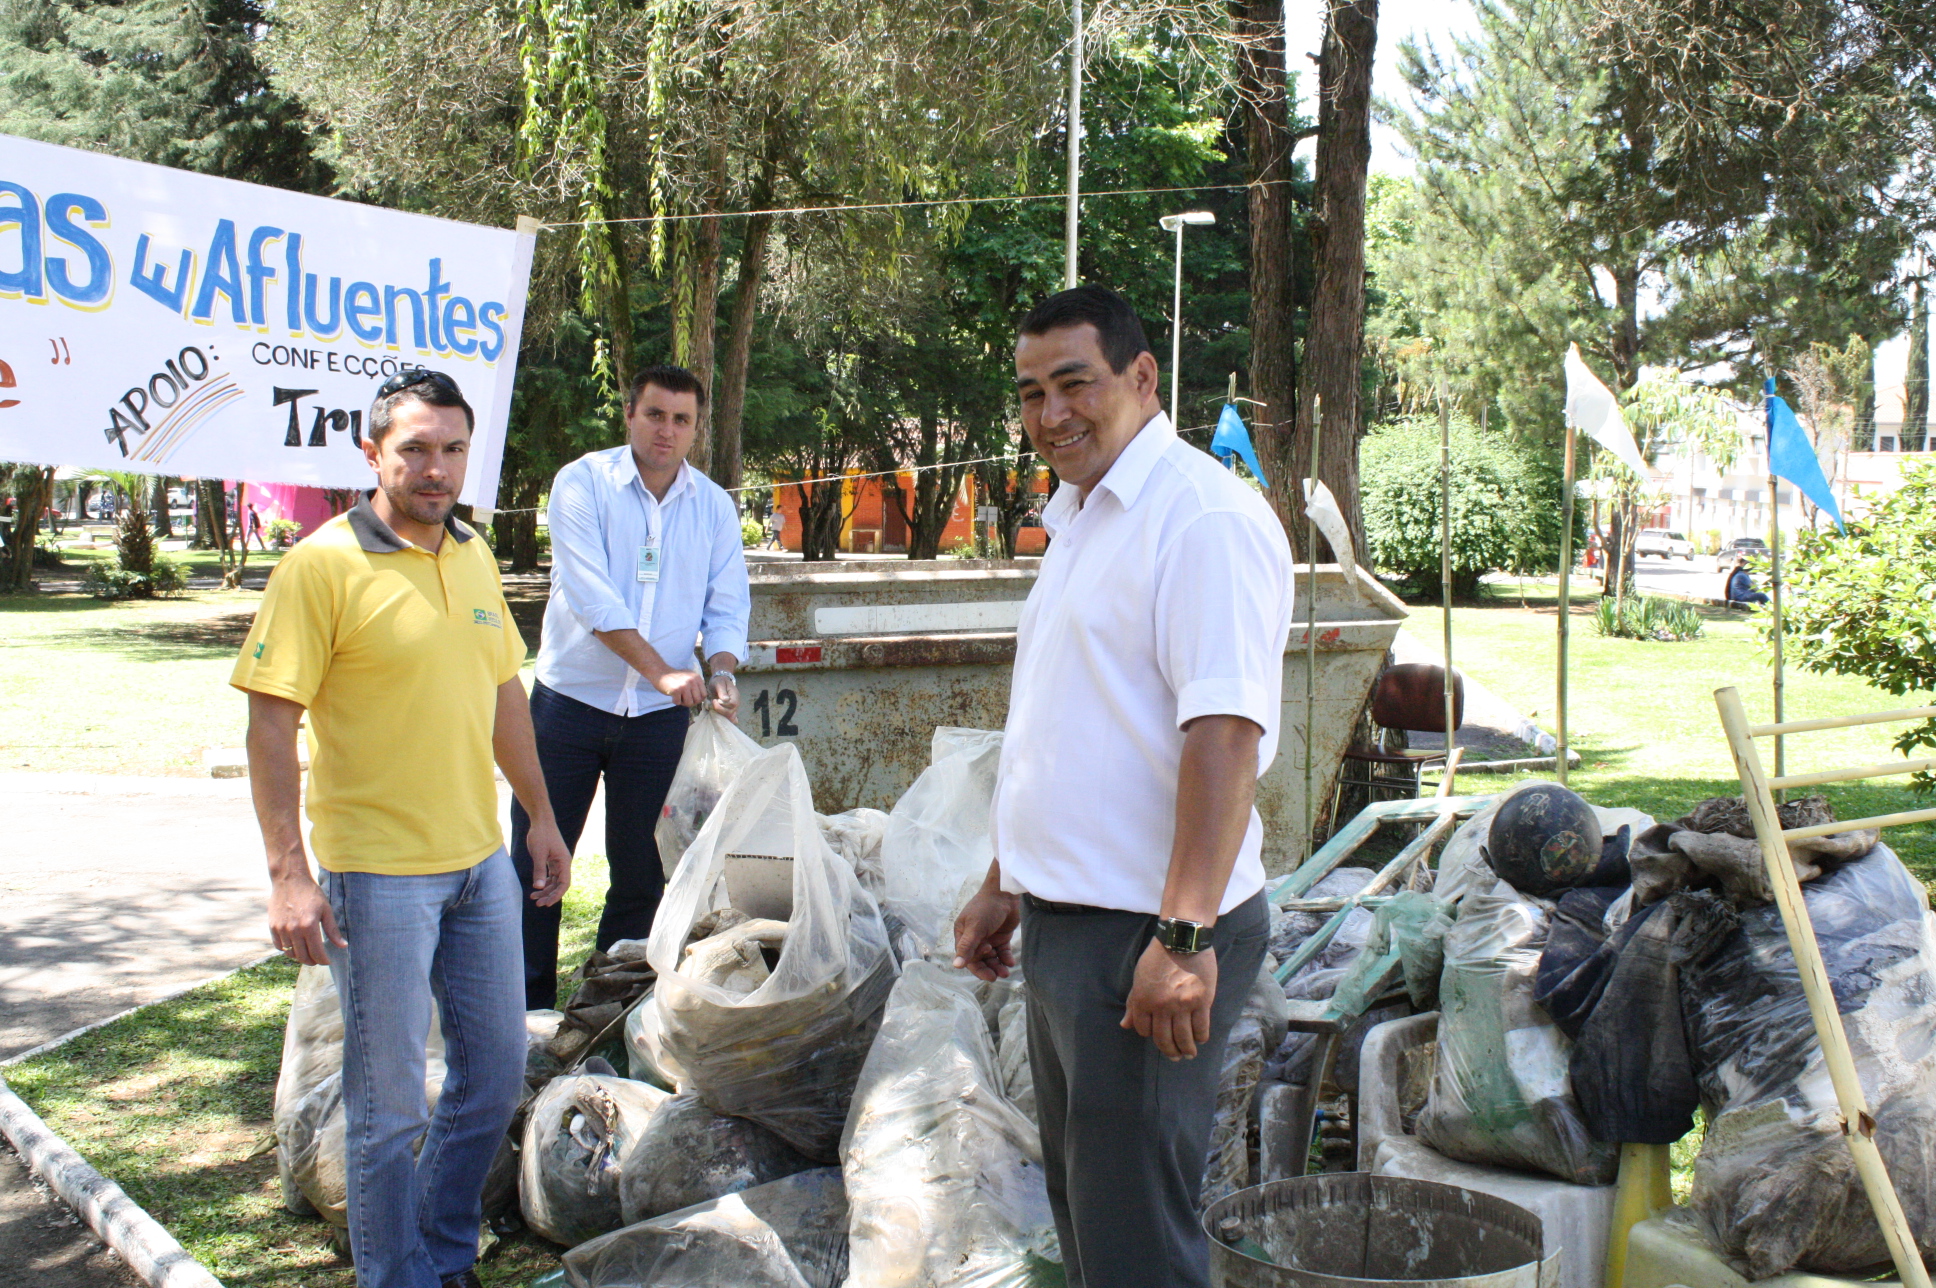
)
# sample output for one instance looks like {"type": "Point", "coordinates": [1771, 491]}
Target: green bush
{"type": "Point", "coordinates": [1647, 618]}
{"type": "Point", "coordinates": [1865, 604]}
{"type": "Point", "coordinates": [283, 532]}
{"type": "Point", "coordinates": [751, 534]}
{"type": "Point", "coordinates": [112, 581]}
{"type": "Point", "coordinates": [1505, 508]}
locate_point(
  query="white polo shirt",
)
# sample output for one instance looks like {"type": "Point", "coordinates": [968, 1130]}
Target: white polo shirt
{"type": "Point", "coordinates": [1166, 596]}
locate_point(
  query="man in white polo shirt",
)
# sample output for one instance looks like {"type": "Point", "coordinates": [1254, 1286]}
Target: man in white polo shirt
{"type": "Point", "coordinates": [646, 561]}
{"type": "Point", "coordinates": [1145, 703]}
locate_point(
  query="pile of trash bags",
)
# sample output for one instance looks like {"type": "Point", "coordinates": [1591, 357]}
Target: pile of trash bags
{"type": "Point", "coordinates": [1639, 973]}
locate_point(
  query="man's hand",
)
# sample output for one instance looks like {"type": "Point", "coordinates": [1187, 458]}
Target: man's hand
{"type": "Point", "coordinates": [300, 920]}
{"type": "Point", "coordinates": [550, 862]}
{"type": "Point", "coordinates": [684, 687]}
{"type": "Point", "coordinates": [1170, 1001]}
{"type": "Point", "coordinates": [983, 933]}
{"type": "Point", "coordinates": [725, 694]}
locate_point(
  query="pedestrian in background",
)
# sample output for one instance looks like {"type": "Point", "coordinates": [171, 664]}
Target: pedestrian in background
{"type": "Point", "coordinates": [1143, 708]}
{"type": "Point", "coordinates": [389, 628]}
{"type": "Point", "coordinates": [646, 559]}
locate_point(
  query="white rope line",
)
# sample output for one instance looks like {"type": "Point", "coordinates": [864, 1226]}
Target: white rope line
{"type": "Point", "coordinates": [874, 474]}
{"type": "Point", "coordinates": [913, 205]}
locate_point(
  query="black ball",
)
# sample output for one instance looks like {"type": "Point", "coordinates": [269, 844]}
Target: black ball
{"type": "Point", "coordinates": [1545, 839]}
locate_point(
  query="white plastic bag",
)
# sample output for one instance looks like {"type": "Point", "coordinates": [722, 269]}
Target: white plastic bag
{"type": "Point", "coordinates": [1258, 1031]}
{"type": "Point", "coordinates": [937, 850]}
{"type": "Point", "coordinates": [716, 750]}
{"type": "Point", "coordinates": [944, 1175]}
{"type": "Point", "coordinates": [580, 1131]}
{"type": "Point", "coordinates": [779, 1041]}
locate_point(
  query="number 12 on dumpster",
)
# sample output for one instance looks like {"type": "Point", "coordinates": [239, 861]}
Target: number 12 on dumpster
{"type": "Point", "coordinates": [789, 703]}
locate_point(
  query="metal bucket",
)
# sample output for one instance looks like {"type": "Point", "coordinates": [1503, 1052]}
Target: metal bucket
{"type": "Point", "coordinates": [1351, 1229]}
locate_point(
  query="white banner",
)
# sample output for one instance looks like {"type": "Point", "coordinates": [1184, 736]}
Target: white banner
{"type": "Point", "coordinates": [173, 323]}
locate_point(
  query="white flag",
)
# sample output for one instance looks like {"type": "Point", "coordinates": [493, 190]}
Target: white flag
{"type": "Point", "coordinates": [1591, 406]}
{"type": "Point", "coordinates": [1324, 512]}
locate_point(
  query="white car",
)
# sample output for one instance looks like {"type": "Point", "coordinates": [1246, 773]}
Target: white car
{"type": "Point", "coordinates": [1665, 544]}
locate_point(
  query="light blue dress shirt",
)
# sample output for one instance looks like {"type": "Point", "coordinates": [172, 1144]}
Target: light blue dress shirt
{"type": "Point", "coordinates": [601, 516]}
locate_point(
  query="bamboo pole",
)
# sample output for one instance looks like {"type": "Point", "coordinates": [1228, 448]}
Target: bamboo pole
{"type": "Point", "coordinates": [1842, 722]}
{"type": "Point", "coordinates": [1566, 577]}
{"type": "Point", "coordinates": [1445, 577]}
{"type": "Point", "coordinates": [1072, 215]}
{"type": "Point", "coordinates": [1850, 775]}
{"type": "Point", "coordinates": [1858, 1124]}
{"type": "Point", "coordinates": [1774, 591]}
{"type": "Point", "coordinates": [1311, 637]}
{"type": "Point", "coordinates": [1858, 824]}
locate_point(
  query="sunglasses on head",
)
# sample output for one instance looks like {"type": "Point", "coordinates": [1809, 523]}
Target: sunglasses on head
{"type": "Point", "coordinates": [418, 376]}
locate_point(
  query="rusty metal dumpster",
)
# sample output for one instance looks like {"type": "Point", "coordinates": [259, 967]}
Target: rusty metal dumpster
{"type": "Point", "coordinates": [857, 662]}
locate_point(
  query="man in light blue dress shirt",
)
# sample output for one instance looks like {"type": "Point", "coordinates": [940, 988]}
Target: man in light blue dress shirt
{"type": "Point", "coordinates": [647, 572]}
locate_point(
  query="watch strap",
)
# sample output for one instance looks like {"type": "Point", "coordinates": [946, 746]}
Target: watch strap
{"type": "Point", "coordinates": [1180, 936]}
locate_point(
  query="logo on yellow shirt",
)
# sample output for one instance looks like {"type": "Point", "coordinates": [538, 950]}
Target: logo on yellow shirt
{"type": "Point", "coordinates": [484, 617]}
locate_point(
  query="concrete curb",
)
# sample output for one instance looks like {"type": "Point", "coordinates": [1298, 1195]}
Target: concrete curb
{"type": "Point", "coordinates": [136, 1237]}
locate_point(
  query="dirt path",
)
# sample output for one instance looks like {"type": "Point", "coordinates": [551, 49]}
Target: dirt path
{"type": "Point", "coordinates": [47, 1244]}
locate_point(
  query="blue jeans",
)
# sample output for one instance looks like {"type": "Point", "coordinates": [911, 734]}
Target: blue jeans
{"type": "Point", "coordinates": [451, 937]}
{"type": "Point", "coordinates": [637, 756]}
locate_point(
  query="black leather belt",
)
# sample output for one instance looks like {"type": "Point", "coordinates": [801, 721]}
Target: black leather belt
{"type": "Point", "coordinates": [1065, 909]}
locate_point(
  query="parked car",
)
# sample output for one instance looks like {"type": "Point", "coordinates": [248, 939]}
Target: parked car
{"type": "Point", "coordinates": [1665, 544]}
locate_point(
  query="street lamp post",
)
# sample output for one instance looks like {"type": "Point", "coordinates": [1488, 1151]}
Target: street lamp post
{"type": "Point", "coordinates": [1174, 224]}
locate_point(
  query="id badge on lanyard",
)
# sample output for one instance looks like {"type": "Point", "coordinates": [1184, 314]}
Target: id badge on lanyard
{"type": "Point", "coordinates": [649, 560]}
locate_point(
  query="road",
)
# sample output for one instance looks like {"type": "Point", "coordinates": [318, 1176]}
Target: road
{"type": "Point", "coordinates": [116, 891]}
{"type": "Point", "coordinates": [1698, 578]}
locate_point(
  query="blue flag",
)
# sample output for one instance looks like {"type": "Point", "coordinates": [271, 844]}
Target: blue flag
{"type": "Point", "coordinates": [1232, 440]}
{"type": "Point", "coordinates": [1792, 457]}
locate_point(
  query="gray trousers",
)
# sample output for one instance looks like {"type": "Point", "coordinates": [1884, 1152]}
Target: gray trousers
{"type": "Point", "coordinates": [1125, 1131]}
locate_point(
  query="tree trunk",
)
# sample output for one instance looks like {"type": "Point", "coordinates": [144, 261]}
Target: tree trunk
{"type": "Point", "coordinates": [821, 516]}
{"type": "Point", "coordinates": [1008, 490]}
{"type": "Point", "coordinates": [164, 524]}
{"type": "Point", "coordinates": [30, 500]}
{"type": "Point", "coordinates": [729, 415]}
{"type": "Point", "coordinates": [1268, 143]}
{"type": "Point", "coordinates": [1915, 380]}
{"type": "Point", "coordinates": [618, 311]}
{"type": "Point", "coordinates": [1334, 347]}
{"type": "Point", "coordinates": [82, 491]}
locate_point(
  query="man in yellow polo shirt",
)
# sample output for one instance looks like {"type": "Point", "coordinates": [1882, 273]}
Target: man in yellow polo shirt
{"type": "Point", "coordinates": [388, 626]}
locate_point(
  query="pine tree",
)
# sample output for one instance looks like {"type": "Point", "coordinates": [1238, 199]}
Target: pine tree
{"type": "Point", "coordinates": [174, 82]}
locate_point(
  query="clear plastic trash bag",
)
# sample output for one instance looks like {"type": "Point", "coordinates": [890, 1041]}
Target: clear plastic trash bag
{"type": "Point", "coordinates": [789, 1233]}
{"type": "Point", "coordinates": [716, 750]}
{"type": "Point", "coordinates": [1774, 1184]}
{"type": "Point", "coordinates": [778, 1035]}
{"type": "Point", "coordinates": [577, 1137]}
{"type": "Point", "coordinates": [1259, 1030]}
{"type": "Point", "coordinates": [1502, 1094]}
{"type": "Point", "coordinates": [689, 1154]}
{"type": "Point", "coordinates": [645, 1053]}
{"type": "Point", "coordinates": [944, 1175]}
{"type": "Point", "coordinates": [309, 1098]}
{"type": "Point", "coordinates": [937, 849]}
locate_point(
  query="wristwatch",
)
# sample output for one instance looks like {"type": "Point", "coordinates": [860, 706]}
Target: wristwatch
{"type": "Point", "coordinates": [1182, 937]}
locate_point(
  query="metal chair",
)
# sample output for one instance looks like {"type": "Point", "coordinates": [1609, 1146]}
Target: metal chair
{"type": "Point", "coordinates": [1408, 697]}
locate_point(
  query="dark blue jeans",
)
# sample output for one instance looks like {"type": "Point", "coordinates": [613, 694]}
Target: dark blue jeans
{"type": "Point", "coordinates": [637, 756]}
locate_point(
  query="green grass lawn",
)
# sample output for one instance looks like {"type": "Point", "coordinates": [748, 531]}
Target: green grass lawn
{"type": "Point", "coordinates": [120, 687]}
{"type": "Point", "coordinates": [1642, 714]}
{"type": "Point", "coordinates": [174, 1103]}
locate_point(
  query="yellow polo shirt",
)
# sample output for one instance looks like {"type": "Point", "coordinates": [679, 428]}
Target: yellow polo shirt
{"type": "Point", "coordinates": [397, 654]}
